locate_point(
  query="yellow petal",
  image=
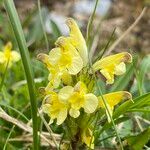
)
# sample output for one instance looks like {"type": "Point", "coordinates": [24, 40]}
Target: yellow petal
{"type": "Point", "coordinates": [113, 59]}
{"type": "Point", "coordinates": [91, 103]}
{"type": "Point", "coordinates": [88, 138]}
{"type": "Point", "coordinates": [108, 75]}
{"type": "Point", "coordinates": [114, 98]}
{"type": "Point", "coordinates": [15, 56]}
{"type": "Point", "coordinates": [112, 65]}
{"type": "Point", "coordinates": [61, 116]}
{"type": "Point", "coordinates": [45, 59]}
{"type": "Point", "coordinates": [76, 100]}
{"type": "Point", "coordinates": [120, 69]}
{"type": "Point", "coordinates": [8, 47]}
{"type": "Point", "coordinates": [74, 113]}
{"type": "Point", "coordinates": [65, 93]}
{"type": "Point", "coordinates": [77, 40]}
{"type": "Point", "coordinates": [72, 59]}
{"type": "Point", "coordinates": [46, 108]}
{"type": "Point", "coordinates": [2, 58]}
{"type": "Point", "coordinates": [54, 55]}
{"type": "Point", "coordinates": [54, 80]}
{"type": "Point", "coordinates": [66, 78]}
{"type": "Point", "coordinates": [7, 51]}
{"type": "Point", "coordinates": [81, 88]}
{"type": "Point", "coordinates": [76, 65]}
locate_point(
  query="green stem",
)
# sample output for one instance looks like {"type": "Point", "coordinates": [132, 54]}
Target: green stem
{"type": "Point", "coordinates": [16, 26]}
{"type": "Point", "coordinates": [109, 114]}
{"type": "Point", "coordinates": [105, 104]}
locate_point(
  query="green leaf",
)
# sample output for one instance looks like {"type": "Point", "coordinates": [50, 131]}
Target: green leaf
{"type": "Point", "coordinates": [144, 68]}
{"type": "Point", "coordinates": [19, 35]}
{"type": "Point", "coordinates": [137, 142]}
{"type": "Point", "coordinates": [108, 125]}
{"type": "Point", "coordinates": [55, 29]}
{"type": "Point", "coordinates": [36, 32]}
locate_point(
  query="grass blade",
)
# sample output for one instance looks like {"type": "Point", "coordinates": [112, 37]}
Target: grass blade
{"type": "Point", "coordinates": [128, 106]}
{"type": "Point", "coordinates": [144, 67]}
{"type": "Point", "coordinates": [42, 24]}
{"type": "Point", "coordinates": [16, 26]}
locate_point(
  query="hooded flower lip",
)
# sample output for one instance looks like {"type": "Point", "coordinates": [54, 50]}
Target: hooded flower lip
{"type": "Point", "coordinates": [112, 99]}
{"type": "Point", "coordinates": [8, 55]}
{"type": "Point", "coordinates": [113, 65]}
{"type": "Point", "coordinates": [77, 40]}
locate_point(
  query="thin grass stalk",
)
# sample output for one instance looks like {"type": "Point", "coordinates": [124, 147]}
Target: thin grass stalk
{"type": "Point", "coordinates": [113, 123]}
{"type": "Point", "coordinates": [18, 32]}
{"type": "Point", "coordinates": [42, 24]}
{"type": "Point", "coordinates": [89, 26]}
{"type": "Point", "coordinates": [49, 130]}
{"type": "Point", "coordinates": [105, 104]}
{"type": "Point", "coordinates": [19, 115]}
{"type": "Point", "coordinates": [106, 46]}
{"type": "Point", "coordinates": [99, 88]}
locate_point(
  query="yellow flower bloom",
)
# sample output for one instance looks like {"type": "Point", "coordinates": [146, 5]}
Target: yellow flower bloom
{"type": "Point", "coordinates": [87, 138]}
{"type": "Point", "coordinates": [8, 56]}
{"type": "Point", "coordinates": [69, 99]}
{"type": "Point", "coordinates": [70, 59]}
{"type": "Point", "coordinates": [55, 107]}
{"type": "Point", "coordinates": [52, 65]}
{"type": "Point", "coordinates": [112, 65]}
{"type": "Point", "coordinates": [62, 62]}
{"type": "Point", "coordinates": [77, 40]}
{"type": "Point", "coordinates": [81, 99]}
{"type": "Point", "coordinates": [113, 99]}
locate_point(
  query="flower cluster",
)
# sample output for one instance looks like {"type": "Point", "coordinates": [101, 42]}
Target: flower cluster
{"type": "Point", "coordinates": [7, 56]}
{"type": "Point", "coordinates": [67, 94]}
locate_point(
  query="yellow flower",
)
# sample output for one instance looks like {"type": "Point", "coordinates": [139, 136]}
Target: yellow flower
{"type": "Point", "coordinates": [70, 59]}
{"type": "Point", "coordinates": [68, 99]}
{"type": "Point", "coordinates": [113, 99]}
{"type": "Point", "coordinates": [87, 138]}
{"type": "Point", "coordinates": [55, 107]}
{"type": "Point", "coordinates": [8, 56]}
{"type": "Point", "coordinates": [112, 65]}
{"type": "Point", "coordinates": [52, 65]}
{"type": "Point", "coordinates": [81, 99]}
{"type": "Point", "coordinates": [62, 62]}
{"type": "Point", "coordinates": [77, 40]}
